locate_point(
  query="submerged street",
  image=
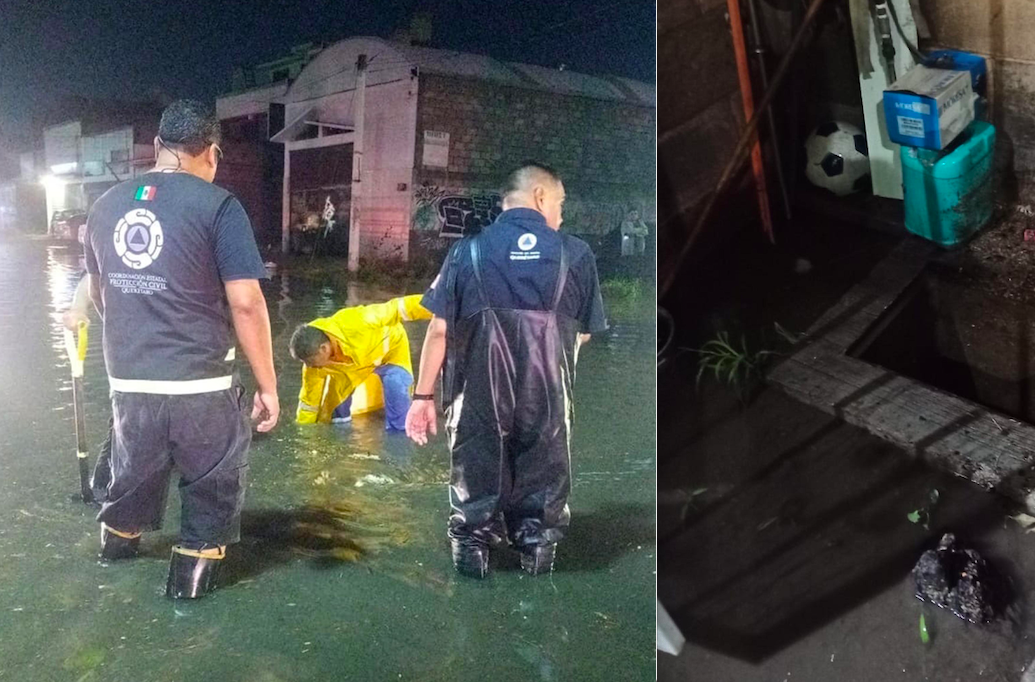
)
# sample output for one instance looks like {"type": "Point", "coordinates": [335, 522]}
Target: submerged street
{"type": "Point", "coordinates": [343, 571]}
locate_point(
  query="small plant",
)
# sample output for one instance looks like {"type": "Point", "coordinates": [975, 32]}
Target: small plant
{"type": "Point", "coordinates": [627, 299]}
{"type": "Point", "coordinates": [731, 365]}
{"type": "Point", "coordinates": [925, 637]}
{"type": "Point", "coordinates": [690, 503]}
{"type": "Point", "coordinates": [923, 514]}
{"type": "Point", "coordinates": [622, 288]}
{"type": "Point", "coordinates": [788, 336]}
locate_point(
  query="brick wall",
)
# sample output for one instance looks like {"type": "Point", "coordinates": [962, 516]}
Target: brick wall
{"type": "Point", "coordinates": [246, 172]}
{"type": "Point", "coordinates": [1001, 32]}
{"type": "Point", "coordinates": [604, 150]}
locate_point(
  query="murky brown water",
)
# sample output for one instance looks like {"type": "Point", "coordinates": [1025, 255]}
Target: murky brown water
{"type": "Point", "coordinates": [343, 571]}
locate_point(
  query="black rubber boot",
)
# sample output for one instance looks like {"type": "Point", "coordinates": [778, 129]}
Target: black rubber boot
{"type": "Point", "coordinates": [536, 559]}
{"type": "Point", "coordinates": [497, 533]}
{"type": "Point", "coordinates": [190, 577]}
{"type": "Point", "coordinates": [470, 557]}
{"type": "Point", "coordinates": [114, 547]}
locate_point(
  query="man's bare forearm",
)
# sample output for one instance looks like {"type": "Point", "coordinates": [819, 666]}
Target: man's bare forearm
{"type": "Point", "coordinates": [253, 333]}
{"type": "Point", "coordinates": [252, 325]}
{"type": "Point", "coordinates": [432, 355]}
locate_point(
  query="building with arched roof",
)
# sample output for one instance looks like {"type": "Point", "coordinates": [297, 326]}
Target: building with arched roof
{"type": "Point", "coordinates": [404, 147]}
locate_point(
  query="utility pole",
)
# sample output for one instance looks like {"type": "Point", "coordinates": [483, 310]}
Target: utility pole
{"type": "Point", "coordinates": [357, 163]}
{"type": "Point", "coordinates": [285, 207]}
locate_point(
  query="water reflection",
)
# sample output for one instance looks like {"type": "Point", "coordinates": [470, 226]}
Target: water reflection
{"type": "Point", "coordinates": [343, 535]}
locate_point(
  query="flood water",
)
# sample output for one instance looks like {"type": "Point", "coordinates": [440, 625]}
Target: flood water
{"type": "Point", "coordinates": [343, 572]}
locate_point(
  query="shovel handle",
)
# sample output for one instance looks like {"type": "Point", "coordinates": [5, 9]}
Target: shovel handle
{"type": "Point", "coordinates": [76, 349]}
{"type": "Point", "coordinates": [83, 339]}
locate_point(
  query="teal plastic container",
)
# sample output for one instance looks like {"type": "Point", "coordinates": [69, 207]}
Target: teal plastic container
{"type": "Point", "coordinates": [948, 193]}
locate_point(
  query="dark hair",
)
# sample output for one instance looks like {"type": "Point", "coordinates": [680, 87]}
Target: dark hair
{"type": "Point", "coordinates": [305, 341]}
{"type": "Point", "coordinates": [518, 180]}
{"type": "Point", "coordinates": [190, 126]}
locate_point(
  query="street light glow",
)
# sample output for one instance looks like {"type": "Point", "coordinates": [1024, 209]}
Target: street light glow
{"type": "Point", "coordinates": [51, 182]}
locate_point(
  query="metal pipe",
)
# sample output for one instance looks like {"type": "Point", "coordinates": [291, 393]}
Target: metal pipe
{"type": "Point", "coordinates": [747, 98]}
{"type": "Point", "coordinates": [756, 37]}
{"type": "Point", "coordinates": [882, 25]}
{"type": "Point", "coordinates": [745, 138]}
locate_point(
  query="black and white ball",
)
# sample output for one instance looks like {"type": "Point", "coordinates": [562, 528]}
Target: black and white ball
{"type": "Point", "coordinates": [836, 158]}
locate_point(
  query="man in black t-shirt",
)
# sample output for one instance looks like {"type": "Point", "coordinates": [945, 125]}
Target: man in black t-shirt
{"type": "Point", "coordinates": [511, 307]}
{"type": "Point", "coordinates": [174, 272]}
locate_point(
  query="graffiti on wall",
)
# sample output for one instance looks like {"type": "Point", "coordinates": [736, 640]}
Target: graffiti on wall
{"type": "Point", "coordinates": [462, 215]}
{"type": "Point", "coordinates": [454, 213]}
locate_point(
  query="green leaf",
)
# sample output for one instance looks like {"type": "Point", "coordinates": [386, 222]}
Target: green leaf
{"type": "Point", "coordinates": [924, 636]}
{"type": "Point", "coordinates": [787, 336]}
{"type": "Point", "coordinates": [914, 516]}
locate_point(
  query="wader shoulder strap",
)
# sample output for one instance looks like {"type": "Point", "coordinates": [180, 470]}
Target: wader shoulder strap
{"type": "Point", "coordinates": [476, 264]}
{"type": "Point", "coordinates": [562, 277]}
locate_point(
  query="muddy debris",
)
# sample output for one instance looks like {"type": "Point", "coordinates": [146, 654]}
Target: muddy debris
{"type": "Point", "coordinates": [958, 579]}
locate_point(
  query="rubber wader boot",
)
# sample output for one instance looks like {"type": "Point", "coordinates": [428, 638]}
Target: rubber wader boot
{"type": "Point", "coordinates": [192, 572]}
{"type": "Point", "coordinates": [497, 535]}
{"type": "Point", "coordinates": [116, 544]}
{"type": "Point", "coordinates": [536, 559]}
{"type": "Point", "coordinates": [470, 557]}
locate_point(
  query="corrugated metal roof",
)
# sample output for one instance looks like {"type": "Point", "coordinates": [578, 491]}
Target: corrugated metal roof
{"type": "Point", "coordinates": [332, 71]}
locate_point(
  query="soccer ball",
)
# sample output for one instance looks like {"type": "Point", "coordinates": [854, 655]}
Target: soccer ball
{"type": "Point", "coordinates": [836, 158]}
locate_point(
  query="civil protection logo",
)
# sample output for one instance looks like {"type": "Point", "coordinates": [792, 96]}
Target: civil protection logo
{"type": "Point", "coordinates": [526, 242]}
{"type": "Point", "coordinates": [138, 238]}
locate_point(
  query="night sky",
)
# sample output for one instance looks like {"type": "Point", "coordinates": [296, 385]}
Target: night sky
{"type": "Point", "coordinates": [136, 50]}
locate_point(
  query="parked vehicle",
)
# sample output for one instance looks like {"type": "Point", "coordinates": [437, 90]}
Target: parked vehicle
{"type": "Point", "coordinates": [66, 224]}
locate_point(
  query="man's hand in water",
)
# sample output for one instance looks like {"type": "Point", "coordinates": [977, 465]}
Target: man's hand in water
{"type": "Point", "coordinates": [265, 410]}
{"type": "Point", "coordinates": [421, 419]}
{"type": "Point", "coordinates": [72, 317]}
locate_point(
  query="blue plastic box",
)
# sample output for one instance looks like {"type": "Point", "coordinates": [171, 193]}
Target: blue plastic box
{"type": "Point", "coordinates": [949, 194]}
{"type": "Point", "coordinates": [961, 61]}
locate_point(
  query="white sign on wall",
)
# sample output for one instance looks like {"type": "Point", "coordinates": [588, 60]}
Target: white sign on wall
{"type": "Point", "coordinates": [436, 149]}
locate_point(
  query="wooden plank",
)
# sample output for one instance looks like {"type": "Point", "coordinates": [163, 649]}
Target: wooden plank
{"type": "Point", "coordinates": [945, 430]}
{"type": "Point", "coordinates": [863, 304]}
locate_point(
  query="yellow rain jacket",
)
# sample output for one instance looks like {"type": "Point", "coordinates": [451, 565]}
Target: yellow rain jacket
{"type": "Point", "coordinates": [370, 336]}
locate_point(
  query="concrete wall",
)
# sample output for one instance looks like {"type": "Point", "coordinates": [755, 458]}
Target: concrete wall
{"type": "Point", "coordinates": [383, 197]}
{"type": "Point", "coordinates": [1001, 30]}
{"type": "Point", "coordinates": [61, 147]}
{"type": "Point", "coordinates": [700, 113]}
{"type": "Point", "coordinates": [98, 152]}
{"type": "Point", "coordinates": [250, 102]}
{"type": "Point", "coordinates": [604, 150]}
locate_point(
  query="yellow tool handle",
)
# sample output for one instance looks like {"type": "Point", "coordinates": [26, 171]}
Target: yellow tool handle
{"type": "Point", "coordinates": [83, 338]}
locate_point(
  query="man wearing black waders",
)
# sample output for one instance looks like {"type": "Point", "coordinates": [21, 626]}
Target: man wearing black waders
{"type": "Point", "coordinates": [511, 307]}
{"type": "Point", "coordinates": [174, 272]}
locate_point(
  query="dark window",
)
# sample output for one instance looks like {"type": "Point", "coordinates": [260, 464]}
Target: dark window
{"type": "Point", "coordinates": [276, 123]}
{"type": "Point", "coordinates": [321, 167]}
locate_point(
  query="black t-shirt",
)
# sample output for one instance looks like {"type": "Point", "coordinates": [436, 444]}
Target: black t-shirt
{"type": "Point", "coordinates": [162, 245]}
{"type": "Point", "coordinates": [520, 260]}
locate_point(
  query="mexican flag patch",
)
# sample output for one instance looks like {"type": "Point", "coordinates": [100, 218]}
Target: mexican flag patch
{"type": "Point", "coordinates": [145, 193]}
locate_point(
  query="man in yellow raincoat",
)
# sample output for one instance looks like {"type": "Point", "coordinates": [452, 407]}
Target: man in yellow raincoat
{"type": "Point", "coordinates": [356, 361]}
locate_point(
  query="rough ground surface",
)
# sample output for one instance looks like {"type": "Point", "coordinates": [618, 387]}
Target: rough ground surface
{"type": "Point", "coordinates": [785, 540]}
{"type": "Point", "coordinates": [999, 261]}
